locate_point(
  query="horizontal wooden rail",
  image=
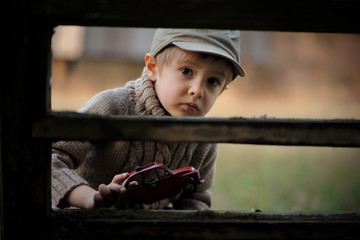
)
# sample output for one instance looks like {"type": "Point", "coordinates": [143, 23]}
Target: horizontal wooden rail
{"type": "Point", "coordinates": [71, 126]}
{"type": "Point", "coordinates": [274, 15]}
{"type": "Point", "coordinates": [130, 224]}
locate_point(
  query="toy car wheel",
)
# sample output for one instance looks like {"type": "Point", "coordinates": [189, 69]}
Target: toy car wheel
{"type": "Point", "coordinates": [189, 186]}
{"type": "Point", "coordinates": [135, 204]}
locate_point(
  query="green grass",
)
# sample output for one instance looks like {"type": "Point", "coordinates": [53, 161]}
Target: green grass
{"type": "Point", "coordinates": [287, 178]}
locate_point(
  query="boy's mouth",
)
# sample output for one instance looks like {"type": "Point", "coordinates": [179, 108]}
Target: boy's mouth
{"type": "Point", "coordinates": [191, 107]}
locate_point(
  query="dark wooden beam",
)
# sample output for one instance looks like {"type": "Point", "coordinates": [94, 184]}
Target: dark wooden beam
{"type": "Point", "coordinates": [271, 15]}
{"type": "Point", "coordinates": [25, 161]}
{"type": "Point", "coordinates": [130, 224]}
{"type": "Point", "coordinates": [70, 126]}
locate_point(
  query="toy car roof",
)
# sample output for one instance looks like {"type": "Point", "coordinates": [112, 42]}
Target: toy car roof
{"type": "Point", "coordinates": [150, 166]}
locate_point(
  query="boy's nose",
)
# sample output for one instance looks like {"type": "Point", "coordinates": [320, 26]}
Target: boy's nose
{"type": "Point", "coordinates": [196, 90]}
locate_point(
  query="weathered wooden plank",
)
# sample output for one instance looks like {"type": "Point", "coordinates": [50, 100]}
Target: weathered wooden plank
{"type": "Point", "coordinates": [130, 224]}
{"type": "Point", "coordinates": [25, 161]}
{"type": "Point", "coordinates": [273, 15]}
{"type": "Point", "coordinates": [70, 126]}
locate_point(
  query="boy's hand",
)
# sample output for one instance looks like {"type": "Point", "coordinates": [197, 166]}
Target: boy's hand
{"type": "Point", "coordinates": [108, 194]}
{"type": "Point", "coordinates": [84, 196]}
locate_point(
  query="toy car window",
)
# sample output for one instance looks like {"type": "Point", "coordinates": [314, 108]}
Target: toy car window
{"type": "Point", "coordinates": [167, 174]}
{"type": "Point", "coordinates": [155, 175]}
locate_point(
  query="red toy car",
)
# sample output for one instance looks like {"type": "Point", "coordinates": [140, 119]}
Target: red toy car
{"type": "Point", "coordinates": [154, 182]}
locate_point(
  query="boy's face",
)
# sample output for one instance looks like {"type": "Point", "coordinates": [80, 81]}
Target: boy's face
{"type": "Point", "coordinates": [189, 85]}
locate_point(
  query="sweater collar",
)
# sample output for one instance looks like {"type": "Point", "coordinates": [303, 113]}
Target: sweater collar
{"type": "Point", "coordinates": [146, 101]}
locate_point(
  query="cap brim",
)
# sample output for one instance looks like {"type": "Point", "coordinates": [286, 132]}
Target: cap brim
{"type": "Point", "coordinates": [210, 49]}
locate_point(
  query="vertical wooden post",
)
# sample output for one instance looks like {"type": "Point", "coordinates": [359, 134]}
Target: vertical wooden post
{"type": "Point", "coordinates": [25, 164]}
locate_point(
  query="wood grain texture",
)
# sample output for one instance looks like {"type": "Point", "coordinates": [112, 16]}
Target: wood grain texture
{"type": "Point", "coordinates": [312, 132]}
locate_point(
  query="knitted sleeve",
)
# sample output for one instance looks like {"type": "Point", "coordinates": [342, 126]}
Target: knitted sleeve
{"type": "Point", "coordinates": [204, 160]}
{"type": "Point", "coordinates": [68, 156]}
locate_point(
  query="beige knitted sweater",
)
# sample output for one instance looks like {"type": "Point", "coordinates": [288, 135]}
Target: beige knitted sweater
{"type": "Point", "coordinates": [83, 162]}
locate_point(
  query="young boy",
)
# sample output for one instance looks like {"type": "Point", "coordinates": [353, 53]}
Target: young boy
{"type": "Point", "coordinates": [185, 72]}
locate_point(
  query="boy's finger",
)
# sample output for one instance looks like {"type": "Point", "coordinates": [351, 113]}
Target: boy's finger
{"type": "Point", "coordinates": [119, 178]}
{"type": "Point", "coordinates": [98, 200]}
{"type": "Point", "coordinates": [114, 187]}
{"type": "Point", "coordinates": [133, 184]}
{"type": "Point", "coordinates": [106, 193]}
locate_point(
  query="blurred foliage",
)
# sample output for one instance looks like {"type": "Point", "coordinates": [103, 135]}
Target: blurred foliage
{"type": "Point", "coordinates": [287, 178]}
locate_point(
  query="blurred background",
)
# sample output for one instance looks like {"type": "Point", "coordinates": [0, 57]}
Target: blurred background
{"type": "Point", "coordinates": [288, 75]}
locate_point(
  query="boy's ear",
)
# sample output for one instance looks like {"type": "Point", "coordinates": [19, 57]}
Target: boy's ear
{"type": "Point", "coordinates": [151, 66]}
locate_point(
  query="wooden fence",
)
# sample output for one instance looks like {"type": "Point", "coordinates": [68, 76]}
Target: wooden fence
{"type": "Point", "coordinates": [28, 126]}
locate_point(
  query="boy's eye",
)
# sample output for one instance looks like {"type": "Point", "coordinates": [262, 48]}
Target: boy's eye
{"type": "Point", "coordinates": [213, 81]}
{"type": "Point", "coordinates": [187, 72]}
